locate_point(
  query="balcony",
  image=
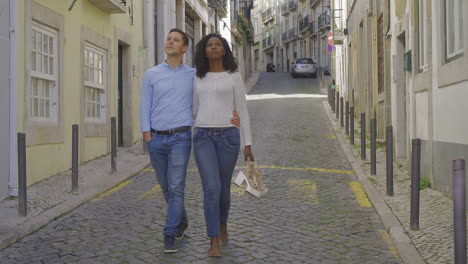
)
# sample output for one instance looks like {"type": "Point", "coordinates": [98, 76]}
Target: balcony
{"type": "Point", "coordinates": [237, 27]}
{"type": "Point", "coordinates": [304, 24]}
{"type": "Point", "coordinates": [314, 3]}
{"type": "Point", "coordinates": [284, 9]}
{"type": "Point", "coordinates": [338, 37]}
{"type": "Point", "coordinates": [292, 34]}
{"type": "Point", "coordinates": [268, 15]}
{"type": "Point", "coordinates": [110, 6]}
{"type": "Point", "coordinates": [219, 5]}
{"type": "Point", "coordinates": [323, 22]}
{"type": "Point", "coordinates": [292, 5]}
{"type": "Point", "coordinates": [267, 43]}
{"type": "Point", "coordinates": [313, 28]}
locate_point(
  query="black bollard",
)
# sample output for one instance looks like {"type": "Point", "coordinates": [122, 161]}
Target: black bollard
{"type": "Point", "coordinates": [347, 118]}
{"type": "Point", "coordinates": [389, 149]}
{"type": "Point", "coordinates": [373, 131]}
{"type": "Point", "coordinates": [341, 112]}
{"type": "Point", "coordinates": [74, 158]}
{"type": "Point", "coordinates": [337, 108]}
{"type": "Point", "coordinates": [351, 125]}
{"type": "Point", "coordinates": [113, 145]}
{"type": "Point", "coordinates": [459, 208]}
{"type": "Point", "coordinates": [333, 100]}
{"type": "Point", "coordinates": [415, 179]}
{"type": "Point", "coordinates": [363, 136]}
{"type": "Point", "coordinates": [22, 191]}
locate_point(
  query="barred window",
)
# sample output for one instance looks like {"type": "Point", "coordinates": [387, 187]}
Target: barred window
{"type": "Point", "coordinates": [95, 85]}
{"type": "Point", "coordinates": [44, 77]}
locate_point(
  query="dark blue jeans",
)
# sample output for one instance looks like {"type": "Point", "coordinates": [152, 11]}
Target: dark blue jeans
{"type": "Point", "coordinates": [216, 152]}
{"type": "Point", "coordinates": [169, 156]}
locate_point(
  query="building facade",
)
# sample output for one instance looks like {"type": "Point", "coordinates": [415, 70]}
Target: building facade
{"type": "Point", "coordinates": [81, 62]}
{"type": "Point", "coordinates": [286, 30]}
{"type": "Point", "coordinates": [403, 65]}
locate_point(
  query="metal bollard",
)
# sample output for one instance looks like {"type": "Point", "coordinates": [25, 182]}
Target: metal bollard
{"type": "Point", "coordinates": [113, 145]}
{"type": "Point", "coordinates": [333, 100]}
{"type": "Point", "coordinates": [363, 136]}
{"type": "Point", "coordinates": [347, 118]}
{"type": "Point", "coordinates": [459, 208]}
{"type": "Point", "coordinates": [341, 112]}
{"type": "Point", "coordinates": [22, 191]}
{"type": "Point", "coordinates": [351, 125]}
{"type": "Point", "coordinates": [373, 156]}
{"type": "Point", "coordinates": [337, 108]}
{"type": "Point", "coordinates": [415, 179]}
{"type": "Point", "coordinates": [74, 158]}
{"type": "Point", "coordinates": [389, 150]}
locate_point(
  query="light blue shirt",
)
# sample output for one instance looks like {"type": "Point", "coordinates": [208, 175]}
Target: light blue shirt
{"type": "Point", "coordinates": [166, 97]}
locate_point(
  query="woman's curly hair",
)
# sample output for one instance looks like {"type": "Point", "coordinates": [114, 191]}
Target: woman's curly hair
{"type": "Point", "coordinates": [201, 61]}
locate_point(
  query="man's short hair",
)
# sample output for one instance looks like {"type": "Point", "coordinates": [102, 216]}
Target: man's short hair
{"type": "Point", "coordinates": [184, 36]}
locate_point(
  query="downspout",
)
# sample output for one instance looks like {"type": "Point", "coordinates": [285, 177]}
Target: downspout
{"type": "Point", "coordinates": [13, 179]}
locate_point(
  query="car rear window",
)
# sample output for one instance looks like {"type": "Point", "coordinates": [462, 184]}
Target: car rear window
{"type": "Point", "coordinates": [305, 61]}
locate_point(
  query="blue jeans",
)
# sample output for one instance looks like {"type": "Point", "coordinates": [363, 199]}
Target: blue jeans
{"type": "Point", "coordinates": [216, 151]}
{"type": "Point", "coordinates": [169, 156]}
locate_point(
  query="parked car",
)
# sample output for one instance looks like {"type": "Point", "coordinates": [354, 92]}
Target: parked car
{"type": "Point", "coordinates": [304, 67]}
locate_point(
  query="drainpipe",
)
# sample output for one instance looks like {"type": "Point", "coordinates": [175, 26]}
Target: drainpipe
{"type": "Point", "coordinates": [13, 180]}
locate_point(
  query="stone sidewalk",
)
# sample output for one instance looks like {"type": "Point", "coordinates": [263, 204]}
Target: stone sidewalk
{"type": "Point", "coordinates": [52, 197]}
{"type": "Point", "coordinates": [433, 242]}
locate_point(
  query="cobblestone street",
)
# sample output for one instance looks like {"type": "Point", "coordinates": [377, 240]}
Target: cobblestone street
{"type": "Point", "coordinates": [314, 211]}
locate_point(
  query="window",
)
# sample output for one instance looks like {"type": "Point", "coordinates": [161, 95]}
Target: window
{"type": "Point", "coordinates": [44, 75]}
{"type": "Point", "coordinates": [423, 34]}
{"type": "Point", "coordinates": [453, 28]}
{"type": "Point", "coordinates": [95, 84]}
{"type": "Point", "coordinates": [255, 25]}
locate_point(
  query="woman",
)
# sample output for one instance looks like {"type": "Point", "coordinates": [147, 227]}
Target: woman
{"type": "Point", "coordinates": [218, 91]}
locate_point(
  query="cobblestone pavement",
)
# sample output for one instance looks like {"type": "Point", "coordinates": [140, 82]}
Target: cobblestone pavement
{"type": "Point", "coordinates": [434, 239]}
{"type": "Point", "coordinates": [310, 214]}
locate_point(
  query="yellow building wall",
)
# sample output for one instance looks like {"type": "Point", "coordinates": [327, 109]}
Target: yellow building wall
{"type": "Point", "coordinates": [46, 160]}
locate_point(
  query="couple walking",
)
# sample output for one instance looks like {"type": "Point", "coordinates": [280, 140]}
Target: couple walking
{"type": "Point", "coordinates": [175, 97]}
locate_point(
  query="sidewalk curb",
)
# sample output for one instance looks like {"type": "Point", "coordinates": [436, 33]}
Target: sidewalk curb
{"type": "Point", "coordinates": [406, 249]}
{"type": "Point", "coordinates": [251, 82]}
{"type": "Point", "coordinates": [37, 222]}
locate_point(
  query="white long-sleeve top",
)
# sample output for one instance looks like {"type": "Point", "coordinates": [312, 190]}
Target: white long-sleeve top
{"type": "Point", "coordinates": [215, 97]}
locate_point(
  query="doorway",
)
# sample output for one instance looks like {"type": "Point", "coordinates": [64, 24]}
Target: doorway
{"type": "Point", "coordinates": [124, 126]}
{"type": "Point", "coordinates": [401, 99]}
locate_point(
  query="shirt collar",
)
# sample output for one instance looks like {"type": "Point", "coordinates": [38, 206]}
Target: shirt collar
{"type": "Point", "coordinates": [169, 66]}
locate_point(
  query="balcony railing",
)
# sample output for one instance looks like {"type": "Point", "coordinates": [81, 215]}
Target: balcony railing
{"type": "Point", "coordinates": [304, 23]}
{"type": "Point", "coordinates": [292, 4]}
{"type": "Point", "coordinates": [323, 22]}
{"type": "Point", "coordinates": [292, 33]}
{"type": "Point", "coordinates": [219, 5]}
{"type": "Point", "coordinates": [314, 2]}
{"type": "Point", "coordinates": [110, 6]}
{"type": "Point", "coordinates": [313, 27]}
{"type": "Point", "coordinates": [284, 9]}
{"type": "Point", "coordinates": [268, 15]}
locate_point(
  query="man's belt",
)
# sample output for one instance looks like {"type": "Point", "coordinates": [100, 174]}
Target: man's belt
{"type": "Point", "coordinates": [171, 131]}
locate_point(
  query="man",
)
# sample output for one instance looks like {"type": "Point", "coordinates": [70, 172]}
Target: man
{"type": "Point", "coordinates": [166, 120]}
